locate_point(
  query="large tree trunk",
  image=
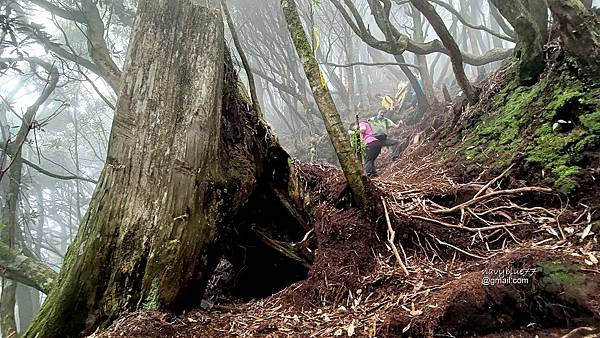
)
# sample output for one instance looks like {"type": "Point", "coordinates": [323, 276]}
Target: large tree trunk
{"type": "Point", "coordinates": [580, 32]}
{"type": "Point", "coordinates": [530, 46]}
{"type": "Point", "coordinates": [185, 154]}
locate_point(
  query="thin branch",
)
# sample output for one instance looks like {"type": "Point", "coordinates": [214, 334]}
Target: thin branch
{"type": "Point", "coordinates": [377, 64]}
{"type": "Point", "coordinates": [451, 9]}
{"type": "Point", "coordinates": [490, 195]}
{"type": "Point", "coordinates": [391, 237]}
{"type": "Point", "coordinates": [57, 176]}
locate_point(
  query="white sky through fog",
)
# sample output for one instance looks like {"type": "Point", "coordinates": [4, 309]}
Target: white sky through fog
{"type": "Point", "coordinates": [28, 93]}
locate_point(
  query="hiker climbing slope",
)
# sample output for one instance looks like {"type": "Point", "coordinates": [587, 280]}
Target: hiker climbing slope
{"type": "Point", "coordinates": [373, 148]}
{"type": "Point", "coordinates": [380, 126]}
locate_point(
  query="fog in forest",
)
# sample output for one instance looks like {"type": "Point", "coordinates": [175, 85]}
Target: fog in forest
{"type": "Point", "coordinates": [61, 64]}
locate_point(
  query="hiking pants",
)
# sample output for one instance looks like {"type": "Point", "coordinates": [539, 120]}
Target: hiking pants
{"type": "Point", "coordinates": [371, 153]}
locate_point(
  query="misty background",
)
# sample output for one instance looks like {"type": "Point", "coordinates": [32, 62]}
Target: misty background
{"type": "Point", "coordinates": [66, 137]}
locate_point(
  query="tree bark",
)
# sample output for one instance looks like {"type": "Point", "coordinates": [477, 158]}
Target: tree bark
{"type": "Point", "coordinates": [539, 12]}
{"type": "Point", "coordinates": [26, 270]}
{"type": "Point", "coordinates": [156, 207]}
{"type": "Point", "coordinates": [471, 92]}
{"type": "Point", "coordinates": [333, 123]}
{"type": "Point", "coordinates": [8, 324]}
{"type": "Point", "coordinates": [530, 46]}
{"type": "Point", "coordinates": [580, 32]}
{"type": "Point", "coordinates": [185, 154]}
{"type": "Point", "coordinates": [245, 63]}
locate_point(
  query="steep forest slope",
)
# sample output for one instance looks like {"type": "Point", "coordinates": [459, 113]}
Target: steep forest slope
{"type": "Point", "coordinates": [551, 130]}
{"type": "Point", "coordinates": [486, 227]}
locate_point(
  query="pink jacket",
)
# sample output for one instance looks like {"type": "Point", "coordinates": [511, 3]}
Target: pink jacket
{"type": "Point", "coordinates": [366, 133]}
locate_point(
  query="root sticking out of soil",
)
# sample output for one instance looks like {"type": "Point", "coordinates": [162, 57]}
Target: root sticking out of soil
{"type": "Point", "coordinates": [518, 280]}
{"type": "Point", "coordinates": [488, 252]}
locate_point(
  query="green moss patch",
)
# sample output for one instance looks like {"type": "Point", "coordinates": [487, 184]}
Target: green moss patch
{"type": "Point", "coordinates": [562, 277]}
{"type": "Point", "coordinates": [551, 125]}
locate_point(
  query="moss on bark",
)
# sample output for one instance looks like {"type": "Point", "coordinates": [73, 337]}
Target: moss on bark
{"type": "Point", "coordinates": [333, 123]}
{"type": "Point", "coordinates": [530, 44]}
{"type": "Point", "coordinates": [185, 154]}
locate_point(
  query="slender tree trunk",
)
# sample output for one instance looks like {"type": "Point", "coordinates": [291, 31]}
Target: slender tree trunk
{"type": "Point", "coordinates": [471, 92]}
{"type": "Point", "coordinates": [10, 220]}
{"type": "Point", "coordinates": [333, 123]}
{"type": "Point", "coordinates": [8, 322]}
{"type": "Point", "coordinates": [350, 74]}
{"type": "Point", "coordinates": [418, 36]}
{"type": "Point", "coordinates": [75, 119]}
{"type": "Point", "coordinates": [245, 63]}
{"type": "Point", "coordinates": [26, 306]}
{"type": "Point", "coordinates": [422, 103]}
{"type": "Point", "coordinates": [496, 41]}
{"type": "Point", "coordinates": [475, 48]}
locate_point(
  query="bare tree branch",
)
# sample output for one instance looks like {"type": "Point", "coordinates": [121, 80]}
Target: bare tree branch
{"type": "Point", "coordinates": [58, 176]}
{"type": "Point", "coordinates": [452, 10]}
{"type": "Point", "coordinates": [26, 270]}
{"type": "Point", "coordinates": [398, 46]}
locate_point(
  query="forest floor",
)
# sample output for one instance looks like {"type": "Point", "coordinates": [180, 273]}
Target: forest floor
{"type": "Point", "coordinates": [483, 259]}
{"type": "Point", "coordinates": [447, 249]}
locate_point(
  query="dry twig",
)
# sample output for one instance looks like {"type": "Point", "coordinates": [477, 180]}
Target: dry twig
{"type": "Point", "coordinates": [391, 237]}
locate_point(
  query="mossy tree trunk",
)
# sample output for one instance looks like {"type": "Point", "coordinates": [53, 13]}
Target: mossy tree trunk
{"type": "Point", "coordinates": [185, 155]}
{"type": "Point", "coordinates": [580, 32]}
{"type": "Point", "coordinates": [539, 12]}
{"type": "Point", "coordinates": [456, 58]}
{"type": "Point", "coordinates": [333, 123]}
{"type": "Point", "coordinates": [530, 46]}
{"type": "Point", "coordinates": [25, 270]}
{"type": "Point", "coordinates": [10, 209]}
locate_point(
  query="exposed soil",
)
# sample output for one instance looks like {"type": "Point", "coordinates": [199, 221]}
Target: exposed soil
{"type": "Point", "coordinates": [488, 254]}
{"type": "Point", "coordinates": [356, 287]}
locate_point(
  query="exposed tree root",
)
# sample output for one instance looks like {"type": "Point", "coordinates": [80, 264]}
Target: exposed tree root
{"type": "Point", "coordinates": [357, 288]}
